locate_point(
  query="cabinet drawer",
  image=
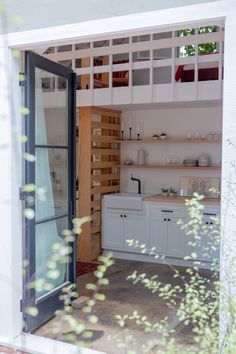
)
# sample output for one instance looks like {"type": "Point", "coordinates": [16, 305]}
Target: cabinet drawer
{"type": "Point", "coordinates": [168, 211]}
{"type": "Point", "coordinates": [124, 211]}
{"type": "Point", "coordinates": [210, 212]}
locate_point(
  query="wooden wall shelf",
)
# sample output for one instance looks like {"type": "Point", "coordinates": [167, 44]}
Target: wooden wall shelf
{"type": "Point", "coordinates": [170, 141]}
{"type": "Point", "coordinates": [98, 172]}
{"type": "Point", "coordinates": [173, 167]}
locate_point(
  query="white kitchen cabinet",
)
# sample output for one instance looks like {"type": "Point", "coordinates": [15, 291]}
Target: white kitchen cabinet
{"type": "Point", "coordinates": [176, 239]}
{"type": "Point", "coordinates": [134, 229]}
{"type": "Point", "coordinates": [165, 234]}
{"type": "Point", "coordinates": [206, 248]}
{"type": "Point", "coordinates": [122, 225]}
{"type": "Point", "coordinates": [113, 237]}
{"type": "Point", "coordinates": [158, 235]}
{"type": "Point", "coordinates": [156, 225]}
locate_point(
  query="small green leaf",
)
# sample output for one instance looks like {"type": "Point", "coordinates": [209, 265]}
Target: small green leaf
{"type": "Point", "coordinates": [29, 157]}
{"type": "Point", "coordinates": [17, 20]}
{"type": "Point", "coordinates": [32, 311]}
{"type": "Point", "coordinates": [24, 111]}
{"type": "Point", "coordinates": [29, 213]}
{"type": "Point", "coordinates": [194, 255]}
{"type": "Point", "coordinates": [24, 138]}
{"type": "Point", "coordinates": [53, 274]}
{"type": "Point", "coordinates": [30, 187]}
{"type": "Point", "coordinates": [100, 297]}
{"type": "Point", "coordinates": [93, 319]}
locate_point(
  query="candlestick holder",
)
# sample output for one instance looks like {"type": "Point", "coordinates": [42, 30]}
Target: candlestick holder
{"type": "Point", "coordinates": [122, 134]}
{"type": "Point", "coordinates": [130, 133]}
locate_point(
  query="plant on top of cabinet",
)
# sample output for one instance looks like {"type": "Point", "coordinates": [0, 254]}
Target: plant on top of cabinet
{"type": "Point", "coordinates": [172, 192]}
{"type": "Point", "coordinates": [165, 191]}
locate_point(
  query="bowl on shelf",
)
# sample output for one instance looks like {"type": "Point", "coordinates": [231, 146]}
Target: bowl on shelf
{"type": "Point", "coordinates": [128, 161]}
{"type": "Point", "coordinates": [163, 136]}
{"type": "Point", "coordinates": [204, 161]}
{"type": "Point", "coordinates": [156, 137]}
{"type": "Point", "coordinates": [190, 162]}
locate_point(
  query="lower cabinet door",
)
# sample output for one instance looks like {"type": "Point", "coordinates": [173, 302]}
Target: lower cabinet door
{"type": "Point", "coordinates": [206, 247]}
{"type": "Point", "coordinates": [158, 235]}
{"type": "Point", "coordinates": [176, 240]}
{"type": "Point", "coordinates": [134, 229]}
{"type": "Point", "coordinates": [113, 231]}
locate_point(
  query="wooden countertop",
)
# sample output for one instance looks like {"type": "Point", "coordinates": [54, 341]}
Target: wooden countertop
{"type": "Point", "coordinates": [179, 200]}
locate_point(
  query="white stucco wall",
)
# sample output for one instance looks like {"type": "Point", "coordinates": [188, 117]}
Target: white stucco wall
{"type": "Point", "coordinates": [228, 213]}
{"type": "Point", "coordinates": [10, 205]}
{"type": "Point", "coordinates": [45, 13]}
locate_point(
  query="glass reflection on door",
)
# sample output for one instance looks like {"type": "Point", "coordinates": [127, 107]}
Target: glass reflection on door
{"type": "Point", "coordinates": [51, 175]}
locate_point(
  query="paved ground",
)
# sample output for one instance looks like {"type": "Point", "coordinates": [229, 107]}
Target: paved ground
{"type": "Point", "coordinates": [122, 297]}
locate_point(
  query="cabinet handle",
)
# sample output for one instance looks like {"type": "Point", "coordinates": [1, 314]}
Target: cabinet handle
{"type": "Point", "coordinates": [124, 216]}
{"type": "Point", "coordinates": [165, 219]}
{"type": "Point", "coordinates": [211, 223]}
{"type": "Point", "coordinates": [210, 214]}
{"type": "Point", "coordinates": [168, 219]}
{"type": "Point", "coordinates": [167, 211]}
{"type": "Point", "coordinates": [207, 223]}
{"type": "Point", "coordinates": [121, 216]}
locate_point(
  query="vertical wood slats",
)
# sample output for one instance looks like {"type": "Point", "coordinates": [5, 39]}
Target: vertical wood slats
{"type": "Point", "coordinates": [98, 171]}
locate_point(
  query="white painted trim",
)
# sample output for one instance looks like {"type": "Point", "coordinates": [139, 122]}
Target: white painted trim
{"type": "Point", "coordinates": [40, 345]}
{"type": "Point", "coordinates": [136, 23]}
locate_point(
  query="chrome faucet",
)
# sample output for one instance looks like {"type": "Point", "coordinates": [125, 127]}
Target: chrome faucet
{"type": "Point", "coordinates": [139, 183]}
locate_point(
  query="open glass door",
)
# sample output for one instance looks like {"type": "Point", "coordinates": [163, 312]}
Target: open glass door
{"type": "Point", "coordinates": [50, 130]}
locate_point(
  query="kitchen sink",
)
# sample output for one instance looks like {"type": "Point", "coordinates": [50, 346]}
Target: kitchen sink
{"type": "Point", "coordinates": [124, 201]}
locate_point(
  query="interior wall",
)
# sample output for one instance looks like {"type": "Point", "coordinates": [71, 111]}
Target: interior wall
{"type": "Point", "coordinates": [176, 122]}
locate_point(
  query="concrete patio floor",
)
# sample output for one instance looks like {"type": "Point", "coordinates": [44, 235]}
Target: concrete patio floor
{"type": "Point", "coordinates": [122, 297]}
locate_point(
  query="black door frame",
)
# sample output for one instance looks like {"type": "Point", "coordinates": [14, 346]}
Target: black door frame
{"type": "Point", "coordinates": [50, 302]}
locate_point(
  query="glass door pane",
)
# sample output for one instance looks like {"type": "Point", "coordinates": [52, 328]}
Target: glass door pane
{"type": "Point", "coordinates": [51, 174]}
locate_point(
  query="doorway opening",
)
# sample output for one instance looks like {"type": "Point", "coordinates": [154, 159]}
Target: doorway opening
{"type": "Point", "coordinates": [138, 95]}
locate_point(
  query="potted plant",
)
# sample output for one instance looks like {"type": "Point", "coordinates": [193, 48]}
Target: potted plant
{"type": "Point", "coordinates": [165, 191]}
{"type": "Point", "coordinates": [172, 192]}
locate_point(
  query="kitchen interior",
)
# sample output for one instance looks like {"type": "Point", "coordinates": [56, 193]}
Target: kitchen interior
{"type": "Point", "coordinates": [167, 154]}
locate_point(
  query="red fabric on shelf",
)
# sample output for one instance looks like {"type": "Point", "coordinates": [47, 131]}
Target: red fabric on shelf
{"type": "Point", "coordinates": [179, 72]}
{"type": "Point", "coordinates": [204, 74]}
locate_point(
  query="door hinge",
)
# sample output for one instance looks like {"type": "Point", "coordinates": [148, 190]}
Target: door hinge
{"type": "Point", "coordinates": [21, 193]}
{"type": "Point", "coordinates": [22, 79]}
{"type": "Point", "coordinates": [21, 305]}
